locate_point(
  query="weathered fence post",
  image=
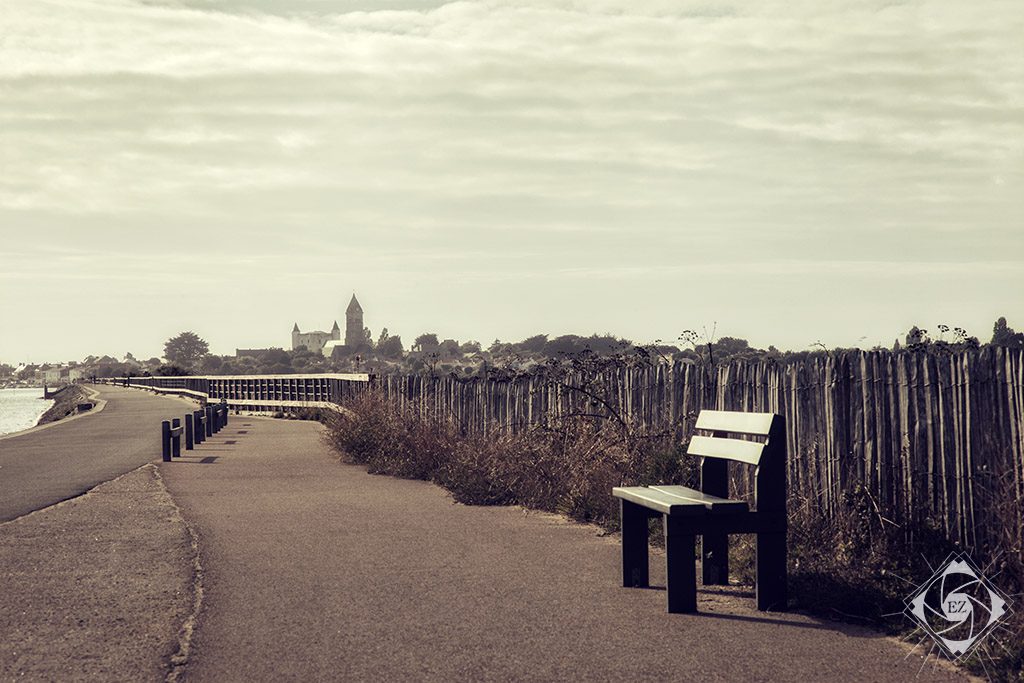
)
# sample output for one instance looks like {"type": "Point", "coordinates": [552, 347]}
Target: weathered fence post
{"type": "Point", "coordinates": [165, 440]}
{"type": "Point", "coordinates": [176, 439]}
{"type": "Point", "coordinates": [189, 438]}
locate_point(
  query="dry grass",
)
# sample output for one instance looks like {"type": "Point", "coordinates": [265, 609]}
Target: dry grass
{"type": "Point", "coordinates": [569, 470]}
{"type": "Point", "coordinates": [849, 564]}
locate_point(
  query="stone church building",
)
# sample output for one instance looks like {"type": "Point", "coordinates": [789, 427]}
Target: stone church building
{"type": "Point", "coordinates": [326, 342]}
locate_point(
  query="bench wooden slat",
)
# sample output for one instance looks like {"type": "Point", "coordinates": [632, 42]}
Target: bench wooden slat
{"type": "Point", "coordinates": [712, 503]}
{"type": "Point", "coordinates": [758, 424]}
{"type": "Point", "coordinates": [665, 503]}
{"type": "Point", "coordinates": [730, 449]}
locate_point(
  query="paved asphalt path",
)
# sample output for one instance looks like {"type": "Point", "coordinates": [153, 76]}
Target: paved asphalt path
{"type": "Point", "coordinates": [317, 571]}
{"type": "Point", "coordinates": [97, 587]}
{"type": "Point", "coordinates": [45, 466]}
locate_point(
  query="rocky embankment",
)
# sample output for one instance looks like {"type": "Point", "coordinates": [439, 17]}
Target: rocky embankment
{"type": "Point", "coordinates": [65, 404]}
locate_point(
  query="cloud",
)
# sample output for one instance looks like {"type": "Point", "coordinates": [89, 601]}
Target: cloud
{"type": "Point", "coordinates": [586, 136]}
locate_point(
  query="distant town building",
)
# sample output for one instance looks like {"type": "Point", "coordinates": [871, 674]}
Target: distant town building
{"type": "Point", "coordinates": [314, 341]}
{"type": "Point", "coordinates": [327, 342]}
{"type": "Point", "coordinates": [330, 346]}
{"type": "Point", "coordinates": [58, 374]}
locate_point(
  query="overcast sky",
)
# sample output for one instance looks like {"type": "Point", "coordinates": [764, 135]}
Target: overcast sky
{"type": "Point", "coordinates": [794, 171]}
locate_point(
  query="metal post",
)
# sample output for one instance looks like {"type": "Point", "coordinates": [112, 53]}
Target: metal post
{"type": "Point", "coordinates": [224, 402]}
{"type": "Point", "coordinates": [189, 438]}
{"type": "Point", "coordinates": [176, 439]}
{"type": "Point", "coordinates": [165, 440]}
{"type": "Point", "coordinates": [209, 421]}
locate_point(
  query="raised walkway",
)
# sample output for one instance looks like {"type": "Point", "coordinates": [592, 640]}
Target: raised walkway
{"type": "Point", "coordinates": [317, 571]}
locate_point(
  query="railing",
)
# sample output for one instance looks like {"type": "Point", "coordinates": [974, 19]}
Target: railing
{"type": "Point", "coordinates": [255, 393]}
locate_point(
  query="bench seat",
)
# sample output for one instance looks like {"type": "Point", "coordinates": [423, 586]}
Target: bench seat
{"type": "Point", "coordinates": [678, 500]}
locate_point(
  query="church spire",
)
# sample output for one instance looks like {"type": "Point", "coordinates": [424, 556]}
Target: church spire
{"type": "Point", "coordinates": [296, 328]}
{"type": "Point", "coordinates": [354, 332]}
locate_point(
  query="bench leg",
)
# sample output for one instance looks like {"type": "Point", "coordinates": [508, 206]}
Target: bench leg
{"type": "Point", "coordinates": [680, 568]}
{"type": "Point", "coordinates": [771, 572]}
{"type": "Point", "coordinates": [714, 567]}
{"type": "Point", "coordinates": [635, 567]}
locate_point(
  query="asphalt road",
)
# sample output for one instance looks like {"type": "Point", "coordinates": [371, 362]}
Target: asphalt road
{"type": "Point", "coordinates": [45, 466]}
{"type": "Point", "coordinates": [317, 571]}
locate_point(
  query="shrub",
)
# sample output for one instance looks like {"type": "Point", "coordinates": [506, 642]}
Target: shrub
{"type": "Point", "coordinates": [571, 469]}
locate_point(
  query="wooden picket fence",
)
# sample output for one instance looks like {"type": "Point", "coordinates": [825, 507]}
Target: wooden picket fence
{"type": "Point", "coordinates": [927, 436]}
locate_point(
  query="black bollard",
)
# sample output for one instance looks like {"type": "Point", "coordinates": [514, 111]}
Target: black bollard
{"type": "Point", "coordinates": [197, 419]}
{"type": "Point", "coordinates": [189, 439]}
{"type": "Point", "coordinates": [176, 439]}
{"type": "Point", "coordinates": [165, 440]}
{"type": "Point", "coordinates": [224, 402]}
{"type": "Point", "coordinates": [208, 419]}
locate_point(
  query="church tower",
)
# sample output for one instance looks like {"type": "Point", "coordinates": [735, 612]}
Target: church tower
{"type": "Point", "coordinates": [354, 324]}
{"type": "Point", "coordinates": [336, 332]}
{"type": "Point", "coordinates": [295, 337]}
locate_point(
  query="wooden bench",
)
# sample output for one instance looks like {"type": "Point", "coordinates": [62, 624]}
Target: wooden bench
{"type": "Point", "coordinates": [708, 513]}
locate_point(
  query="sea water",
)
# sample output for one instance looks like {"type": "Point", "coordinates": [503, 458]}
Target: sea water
{"type": "Point", "coordinates": [21, 409]}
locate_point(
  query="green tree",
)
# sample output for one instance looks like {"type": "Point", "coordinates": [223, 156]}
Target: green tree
{"type": "Point", "coordinates": [425, 342]}
{"type": "Point", "coordinates": [390, 347]}
{"type": "Point", "coordinates": [448, 349]}
{"type": "Point", "coordinates": [212, 364]}
{"type": "Point", "coordinates": [1004, 335]}
{"type": "Point", "coordinates": [170, 370]}
{"type": "Point", "coordinates": [185, 349]}
{"type": "Point", "coordinates": [534, 344]}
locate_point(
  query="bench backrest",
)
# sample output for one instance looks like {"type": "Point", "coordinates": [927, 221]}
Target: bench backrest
{"type": "Point", "coordinates": [768, 456]}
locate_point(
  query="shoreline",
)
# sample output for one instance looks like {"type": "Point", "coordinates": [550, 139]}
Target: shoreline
{"type": "Point", "coordinates": [64, 405]}
{"type": "Point", "coordinates": [52, 418]}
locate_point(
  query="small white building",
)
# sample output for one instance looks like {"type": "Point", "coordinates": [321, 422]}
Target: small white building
{"type": "Point", "coordinates": [328, 349]}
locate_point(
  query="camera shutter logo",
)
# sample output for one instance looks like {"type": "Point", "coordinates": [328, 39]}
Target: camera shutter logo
{"type": "Point", "coordinates": [957, 606]}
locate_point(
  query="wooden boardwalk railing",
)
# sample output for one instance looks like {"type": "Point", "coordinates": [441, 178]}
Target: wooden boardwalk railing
{"type": "Point", "coordinates": [258, 392]}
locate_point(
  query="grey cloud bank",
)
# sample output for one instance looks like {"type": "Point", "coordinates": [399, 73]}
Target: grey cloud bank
{"type": "Point", "coordinates": [497, 169]}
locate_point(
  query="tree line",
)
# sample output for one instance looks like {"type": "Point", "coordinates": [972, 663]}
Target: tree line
{"type": "Point", "coordinates": [189, 353]}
